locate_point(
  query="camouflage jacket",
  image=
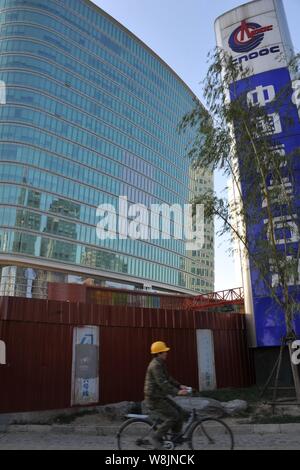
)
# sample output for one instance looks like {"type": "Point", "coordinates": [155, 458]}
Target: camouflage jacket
{"type": "Point", "coordinates": [158, 383]}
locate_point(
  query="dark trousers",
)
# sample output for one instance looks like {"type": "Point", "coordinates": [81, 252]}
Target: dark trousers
{"type": "Point", "coordinates": [170, 413]}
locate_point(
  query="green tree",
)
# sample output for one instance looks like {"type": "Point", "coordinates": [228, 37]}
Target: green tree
{"type": "Point", "coordinates": [236, 135]}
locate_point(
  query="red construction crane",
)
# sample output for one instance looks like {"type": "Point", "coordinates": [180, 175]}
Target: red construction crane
{"type": "Point", "coordinates": [217, 299]}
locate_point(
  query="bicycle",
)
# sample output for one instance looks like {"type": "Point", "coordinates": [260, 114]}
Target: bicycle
{"type": "Point", "coordinates": [200, 433]}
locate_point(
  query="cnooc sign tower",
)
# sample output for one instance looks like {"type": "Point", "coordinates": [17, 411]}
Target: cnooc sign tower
{"type": "Point", "coordinates": [256, 35]}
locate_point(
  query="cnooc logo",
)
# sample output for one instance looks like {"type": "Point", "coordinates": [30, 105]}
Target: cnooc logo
{"type": "Point", "coordinates": [247, 36]}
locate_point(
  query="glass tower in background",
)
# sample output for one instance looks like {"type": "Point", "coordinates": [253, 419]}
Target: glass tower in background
{"type": "Point", "coordinates": [90, 113]}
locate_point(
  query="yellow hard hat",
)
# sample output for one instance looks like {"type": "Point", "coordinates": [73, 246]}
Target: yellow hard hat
{"type": "Point", "coordinates": [159, 347]}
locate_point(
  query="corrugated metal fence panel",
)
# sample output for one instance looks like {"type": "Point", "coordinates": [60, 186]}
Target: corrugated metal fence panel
{"type": "Point", "coordinates": [232, 359]}
{"type": "Point", "coordinates": [51, 311]}
{"type": "Point", "coordinates": [125, 354]}
{"type": "Point", "coordinates": [38, 335]}
{"type": "Point", "coordinates": [37, 375]}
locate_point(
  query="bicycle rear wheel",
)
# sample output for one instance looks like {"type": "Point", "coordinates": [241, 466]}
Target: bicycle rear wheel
{"type": "Point", "coordinates": [211, 434]}
{"type": "Point", "coordinates": [135, 434]}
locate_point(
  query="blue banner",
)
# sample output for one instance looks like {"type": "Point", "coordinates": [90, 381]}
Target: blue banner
{"type": "Point", "coordinates": [267, 89]}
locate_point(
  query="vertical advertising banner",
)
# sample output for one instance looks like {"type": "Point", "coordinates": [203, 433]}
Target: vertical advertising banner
{"type": "Point", "coordinates": [85, 370]}
{"type": "Point", "coordinates": [206, 360]}
{"type": "Point", "coordinates": [256, 35]}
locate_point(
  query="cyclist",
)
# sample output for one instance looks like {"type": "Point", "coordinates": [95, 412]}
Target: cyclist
{"type": "Point", "coordinates": [158, 385]}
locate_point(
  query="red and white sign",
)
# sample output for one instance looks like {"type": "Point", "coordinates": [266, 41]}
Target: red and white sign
{"type": "Point", "coordinates": [256, 35]}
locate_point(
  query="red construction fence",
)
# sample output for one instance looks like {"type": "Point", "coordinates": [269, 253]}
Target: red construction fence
{"type": "Point", "coordinates": [39, 340]}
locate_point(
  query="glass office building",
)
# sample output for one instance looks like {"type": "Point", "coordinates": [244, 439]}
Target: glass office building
{"type": "Point", "coordinates": [88, 113]}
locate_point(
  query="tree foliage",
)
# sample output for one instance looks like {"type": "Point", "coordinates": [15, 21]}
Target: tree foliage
{"type": "Point", "coordinates": [236, 135]}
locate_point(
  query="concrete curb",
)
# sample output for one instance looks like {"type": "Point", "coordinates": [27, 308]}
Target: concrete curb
{"type": "Point", "coordinates": [110, 430]}
{"type": "Point", "coordinates": [285, 428]}
{"type": "Point", "coordinates": [97, 430]}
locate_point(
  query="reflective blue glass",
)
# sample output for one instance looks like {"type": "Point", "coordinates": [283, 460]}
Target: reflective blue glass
{"type": "Point", "coordinates": [91, 114]}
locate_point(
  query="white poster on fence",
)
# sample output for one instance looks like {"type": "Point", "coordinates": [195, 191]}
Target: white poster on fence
{"type": "Point", "coordinates": [206, 360]}
{"type": "Point", "coordinates": [85, 367]}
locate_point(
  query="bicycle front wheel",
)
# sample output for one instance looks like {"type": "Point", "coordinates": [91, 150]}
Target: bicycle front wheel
{"type": "Point", "coordinates": [135, 434]}
{"type": "Point", "coordinates": [211, 434]}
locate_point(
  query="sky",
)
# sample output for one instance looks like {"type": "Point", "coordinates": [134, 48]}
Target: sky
{"type": "Point", "coordinates": [182, 34]}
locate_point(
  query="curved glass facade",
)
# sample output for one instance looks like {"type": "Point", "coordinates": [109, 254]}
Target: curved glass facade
{"type": "Point", "coordinates": [90, 114]}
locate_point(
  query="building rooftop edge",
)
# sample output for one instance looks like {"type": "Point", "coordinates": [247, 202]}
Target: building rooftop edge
{"type": "Point", "coordinates": [120, 25]}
